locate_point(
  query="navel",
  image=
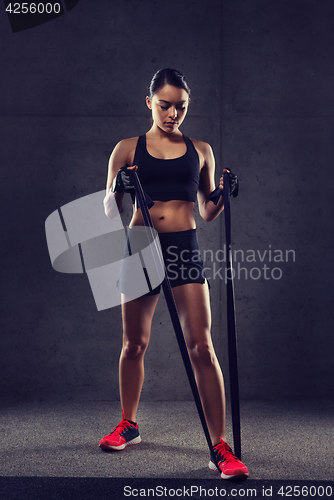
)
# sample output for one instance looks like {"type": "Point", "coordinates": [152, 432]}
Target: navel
{"type": "Point", "coordinates": [161, 218]}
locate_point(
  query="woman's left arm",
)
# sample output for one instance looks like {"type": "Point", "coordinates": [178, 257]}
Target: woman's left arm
{"type": "Point", "coordinates": [207, 209]}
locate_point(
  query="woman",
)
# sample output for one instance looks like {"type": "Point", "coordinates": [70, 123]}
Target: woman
{"type": "Point", "coordinates": [173, 171]}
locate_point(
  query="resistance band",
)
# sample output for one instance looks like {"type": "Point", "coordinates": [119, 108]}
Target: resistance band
{"type": "Point", "coordinates": [175, 321]}
{"type": "Point", "coordinates": [231, 328]}
{"type": "Point", "coordinates": [230, 186]}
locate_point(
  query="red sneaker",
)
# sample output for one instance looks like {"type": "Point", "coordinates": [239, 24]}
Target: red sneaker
{"type": "Point", "coordinates": [229, 464]}
{"type": "Point", "coordinates": [124, 434]}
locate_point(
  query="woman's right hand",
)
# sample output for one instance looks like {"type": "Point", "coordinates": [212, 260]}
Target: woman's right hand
{"type": "Point", "coordinates": [123, 182]}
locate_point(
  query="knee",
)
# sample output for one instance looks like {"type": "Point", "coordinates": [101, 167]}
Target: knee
{"type": "Point", "coordinates": [134, 350]}
{"type": "Point", "coordinates": [202, 355]}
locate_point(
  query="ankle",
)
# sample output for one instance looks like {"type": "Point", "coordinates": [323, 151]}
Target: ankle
{"type": "Point", "coordinates": [129, 416]}
{"type": "Point", "coordinates": [218, 441]}
{"type": "Point", "coordinates": [131, 421]}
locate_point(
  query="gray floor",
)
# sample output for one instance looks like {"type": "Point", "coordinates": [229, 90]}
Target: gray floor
{"type": "Point", "coordinates": [280, 440]}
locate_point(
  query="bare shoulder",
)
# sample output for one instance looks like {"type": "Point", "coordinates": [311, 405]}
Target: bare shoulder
{"type": "Point", "coordinates": [204, 151]}
{"type": "Point", "coordinates": [125, 149]}
{"type": "Point", "coordinates": [123, 153]}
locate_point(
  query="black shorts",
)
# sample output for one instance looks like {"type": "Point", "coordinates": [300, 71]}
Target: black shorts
{"type": "Point", "coordinates": [182, 258]}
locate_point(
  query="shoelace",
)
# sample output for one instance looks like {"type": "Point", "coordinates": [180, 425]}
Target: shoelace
{"type": "Point", "coordinates": [121, 426]}
{"type": "Point", "coordinates": [224, 453]}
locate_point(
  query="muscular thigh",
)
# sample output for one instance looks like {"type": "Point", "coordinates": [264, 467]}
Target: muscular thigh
{"type": "Point", "coordinates": [193, 305]}
{"type": "Point", "coordinates": [137, 317]}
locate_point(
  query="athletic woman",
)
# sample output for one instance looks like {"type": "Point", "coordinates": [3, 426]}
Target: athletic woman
{"type": "Point", "coordinates": [174, 171]}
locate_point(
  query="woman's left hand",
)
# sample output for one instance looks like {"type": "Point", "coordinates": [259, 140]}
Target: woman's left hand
{"type": "Point", "coordinates": [234, 183]}
{"type": "Point", "coordinates": [221, 180]}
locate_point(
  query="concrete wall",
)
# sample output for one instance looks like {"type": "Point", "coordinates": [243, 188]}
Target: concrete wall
{"type": "Point", "coordinates": [261, 74]}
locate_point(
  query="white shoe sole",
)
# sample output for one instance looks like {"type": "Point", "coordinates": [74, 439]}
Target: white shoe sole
{"type": "Point", "coordinates": [212, 466]}
{"type": "Point", "coordinates": [136, 440]}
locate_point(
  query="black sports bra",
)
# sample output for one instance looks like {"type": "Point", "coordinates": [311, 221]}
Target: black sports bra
{"type": "Point", "coordinates": [165, 180]}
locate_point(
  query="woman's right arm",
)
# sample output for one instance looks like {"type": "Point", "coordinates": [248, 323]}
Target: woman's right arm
{"type": "Point", "coordinates": [123, 153]}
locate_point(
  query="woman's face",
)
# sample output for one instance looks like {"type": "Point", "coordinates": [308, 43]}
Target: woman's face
{"type": "Point", "coordinates": [169, 107]}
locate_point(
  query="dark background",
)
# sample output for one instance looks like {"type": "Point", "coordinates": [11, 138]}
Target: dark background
{"type": "Point", "coordinates": [262, 78]}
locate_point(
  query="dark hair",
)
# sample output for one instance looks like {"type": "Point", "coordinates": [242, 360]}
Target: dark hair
{"type": "Point", "coordinates": [167, 76]}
